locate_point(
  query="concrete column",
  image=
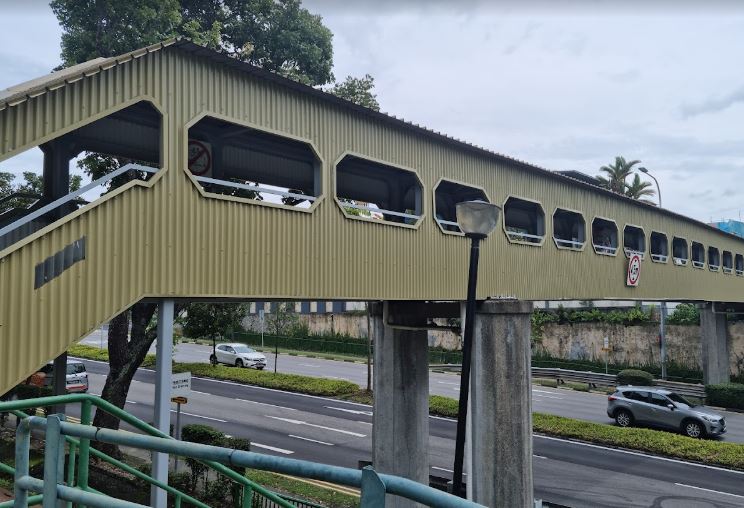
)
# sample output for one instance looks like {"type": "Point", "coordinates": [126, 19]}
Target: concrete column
{"type": "Point", "coordinates": [163, 371]}
{"type": "Point", "coordinates": [714, 345]}
{"type": "Point", "coordinates": [59, 383]}
{"type": "Point", "coordinates": [501, 410]}
{"type": "Point", "coordinates": [400, 432]}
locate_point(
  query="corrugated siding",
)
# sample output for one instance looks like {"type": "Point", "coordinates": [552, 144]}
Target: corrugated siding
{"type": "Point", "coordinates": [167, 239]}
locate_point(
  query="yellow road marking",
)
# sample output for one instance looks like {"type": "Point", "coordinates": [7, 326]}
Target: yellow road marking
{"type": "Point", "coordinates": [331, 486]}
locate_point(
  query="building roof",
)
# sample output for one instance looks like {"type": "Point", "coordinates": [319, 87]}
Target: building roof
{"type": "Point", "coordinates": [20, 93]}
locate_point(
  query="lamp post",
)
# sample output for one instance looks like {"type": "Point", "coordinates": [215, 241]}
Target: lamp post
{"type": "Point", "coordinates": [663, 305]}
{"type": "Point", "coordinates": [476, 219]}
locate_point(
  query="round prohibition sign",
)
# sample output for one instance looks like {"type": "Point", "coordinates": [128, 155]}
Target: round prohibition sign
{"type": "Point", "coordinates": [634, 270]}
{"type": "Point", "coordinates": [200, 159]}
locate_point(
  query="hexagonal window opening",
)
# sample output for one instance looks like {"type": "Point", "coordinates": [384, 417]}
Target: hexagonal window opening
{"type": "Point", "coordinates": [604, 236]}
{"type": "Point", "coordinates": [524, 221]}
{"type": "Point", "coordinates": [680, 252]}
{"type": "Point", "coordinates": [569, 229]}
{"type": "Point", "coordinates": [235, 160]}
{"type": "Point", "coordinates": [727, 262]}
{"type": "Point", "coordinates": [634, 241]}
{"type": "Point", "coordinates": [373, 190]}
{"type": "Point", "coordinates": [739, 265]}
{"type": "Point", "coordinates": [698, 255]}
{"type": "Point", "coordinates": [446, 196]}
{"type": "Point", "coordinates": [659, 247]}
{"type": "Point", "coordinates": [714, 259]}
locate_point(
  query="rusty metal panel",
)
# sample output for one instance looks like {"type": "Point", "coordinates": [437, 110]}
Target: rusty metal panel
{"type": "Point", "coordinates": [167, 238]}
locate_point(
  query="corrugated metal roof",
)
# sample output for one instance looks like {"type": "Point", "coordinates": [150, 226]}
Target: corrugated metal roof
{"type": "Point", "coordinates": [22, 92]}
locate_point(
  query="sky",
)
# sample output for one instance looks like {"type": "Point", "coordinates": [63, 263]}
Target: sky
{"type": "Point", "coordinates": [565, 88]}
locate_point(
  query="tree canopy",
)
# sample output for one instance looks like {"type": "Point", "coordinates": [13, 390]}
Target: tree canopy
{"type": "Point", "coordinates": [615, 178]}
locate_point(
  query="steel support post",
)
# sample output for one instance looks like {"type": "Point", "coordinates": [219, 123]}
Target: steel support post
{"type": "Point", "coordinates": [84, 449]}
{"type": "Point", "coordinates": [163, 372]}
{"type": "Point", "coordinates": [54, 447]}
{"type": "Point", "coordinates": [59, 382]}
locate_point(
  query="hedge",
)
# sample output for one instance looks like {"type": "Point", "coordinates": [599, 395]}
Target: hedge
{"type": "Point", "coordinates": [634, 377]}
{"type": "Point", "coordinates": [729, 395]}
{"type": "Point", "coordinates": [287, 382]}
{"type": "Point", "coordinates": [669, 444]}
{"type": "Point", "coordinates": [94, 353]}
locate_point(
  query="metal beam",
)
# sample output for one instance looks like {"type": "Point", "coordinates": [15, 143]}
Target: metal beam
{"type": "Point", "coordinates": [163, 371]}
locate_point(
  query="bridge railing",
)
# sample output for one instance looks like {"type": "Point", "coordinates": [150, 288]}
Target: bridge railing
{"type": "Point", "coordinates": [374, 486]}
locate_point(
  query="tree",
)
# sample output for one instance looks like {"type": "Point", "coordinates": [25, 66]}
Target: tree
{"type": "Point", "coordinates": [33, 184]}
{"type": "Point", "coordinates": [205, 320]}
{"type": "Point", "coordinates": [358, 91]}
{"type": "Point", "coordinates": [638, 189]}
{"type": "Point", "coordinates": [282, 319]}
{"type": "Point", "coordinates": [617, 173]}
{"type": "Point", "coordinates": [278, 35]}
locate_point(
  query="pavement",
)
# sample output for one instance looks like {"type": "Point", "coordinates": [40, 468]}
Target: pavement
{"type": "Point", "coordinates": [339, 433]}
{"type": "Point", "coordinates": [570, 403]}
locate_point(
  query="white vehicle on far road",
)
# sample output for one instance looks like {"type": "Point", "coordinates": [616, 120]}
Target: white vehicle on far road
{"type": "Point", "coordinates": [239, 355]}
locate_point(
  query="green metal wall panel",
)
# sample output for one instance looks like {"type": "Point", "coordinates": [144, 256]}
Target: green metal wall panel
{"type": "Point", "coordinates": [167, 238]}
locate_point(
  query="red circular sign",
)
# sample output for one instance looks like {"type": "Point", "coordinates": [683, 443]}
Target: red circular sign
{"type": "Point", "coordinates": [200, 158]}
{"type": "Point", "coordinates": [634, 270]}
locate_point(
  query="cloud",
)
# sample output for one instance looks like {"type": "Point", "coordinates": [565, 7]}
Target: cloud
{"type": "Point", "coordinates": [714, 104]}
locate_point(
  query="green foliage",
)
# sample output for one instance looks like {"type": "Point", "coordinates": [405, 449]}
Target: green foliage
{"type": "Point", "coordinates": [729, 395]}
{"type": "Point", "coordinates": [615, 179]}
{"type": "Point", "coordinates": [684, 314]}
{"type": "Point", "coordinates": [213, 319]}
{"type": "Point", "coordinates": [635, 377]}
{"type": "Point", "coordinates": [358, 91]}
{"type": "Point", "coordinates": [303, 489]}
{"type": "Point", "coordinates": [443, 406]}
{"type": "Point", "coordinates": [539, 319]}
{"type": "Point", "coordinates": [282, 320]}
{"type": "Point", "coordinates": [33, 183]}
{"type": "Point", "coordinates": [287, 382]}
{"type": "Point", "coordinates": [632, 316]}
{"type": "Point", "coordinates": [667, 444]}
{"type": "Point", "coordinates": [203, 434]}
{"type": "Point", "coordinates": [94, 353]}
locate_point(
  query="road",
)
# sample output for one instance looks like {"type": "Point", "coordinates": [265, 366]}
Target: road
{"type": "Point", "coordinates": [339, 433]}
{"type": "Point", "coordinates": [570, 403]}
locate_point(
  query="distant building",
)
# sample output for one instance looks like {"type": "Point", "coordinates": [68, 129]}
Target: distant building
{"type": "Point", "coordinates": [734, 227]}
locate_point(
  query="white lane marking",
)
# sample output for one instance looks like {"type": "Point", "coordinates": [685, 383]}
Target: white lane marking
{"type": "Point", "coordinates": [203, 393]}
{"type": "Point", "coordinates": [446, 470]}
{"type": "Point", "coordinates": [542, 391]}
{"type": "Point", "coordinates": [308, 365]}
{"type": "Point", "coordinates": [365, 423]}
{"type": "Point", "coordinates": [547, 396]}
{"type": "Point", "coordinates": [447, 383]}
{"type": "Point", "coordinates": [710, 490]}
{"type": "Point", "coordinates": [539, 456]}
{"type": "Point", "coordinates": [272, 448]}
{"type": "Point", "coordinates": [267, 404]}
{"type": "Point", "coordinates": [311, 440]}
{"type": "Point", "coordinates": [333, 377]}
{"type": "Point", "coordinates": [132, 402]}
{"type": "Point", "coordinates": [628, 452]}
{"type": "Point", "coordinates": [200, 416]}
{"type": "Point", "coordinates": [300, 422]}
{"type": "Point", "coordinates": [352, 411]}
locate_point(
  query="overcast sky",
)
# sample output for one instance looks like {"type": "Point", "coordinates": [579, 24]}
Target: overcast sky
{"type": "Point", "coordinates": [566, 88]}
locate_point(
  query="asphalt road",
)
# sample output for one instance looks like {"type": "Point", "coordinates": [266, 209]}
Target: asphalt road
{"type": "Point", "coordinates": [570, 403]}
{"type": "Point", "coordinates": [339, 433]}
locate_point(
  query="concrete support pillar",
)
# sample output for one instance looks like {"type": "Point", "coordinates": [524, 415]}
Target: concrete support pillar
{"type": "Point", "coordinates": [714, 345]}
{"type": "Point", "coordinates": [163, 371]}
{"type": "Point", "coordinates": [59, 383]}
{"type": "Point", "coordinates": [501, 409]}
{"type": "Point", "coordinates": [400, 432]}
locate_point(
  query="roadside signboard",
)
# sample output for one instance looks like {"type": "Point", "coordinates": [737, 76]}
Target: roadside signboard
{"type": "Point", "coordinates": [179, 400]}
{"type": "Point", "coordinates": [181, 384]}
{"type": "Point", "coordinates": [634, 270]}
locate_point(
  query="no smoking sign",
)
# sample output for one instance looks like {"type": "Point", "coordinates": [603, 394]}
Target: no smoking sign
{"type": "Point", "coordinates": [634, 270]}
{"type": "Point", "coordinates": [200, 158]}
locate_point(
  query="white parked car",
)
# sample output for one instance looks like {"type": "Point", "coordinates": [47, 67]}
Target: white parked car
{"type": "Point", "coordinates": [239, 355]}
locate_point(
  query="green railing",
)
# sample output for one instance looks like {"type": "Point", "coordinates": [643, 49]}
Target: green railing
{"type": "Point", "coordinates": [374, 487]}
{"type": "Point", "coordinates": [80, 452]}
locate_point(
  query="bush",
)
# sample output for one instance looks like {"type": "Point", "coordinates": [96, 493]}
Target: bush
{"type": "Point", "coordinates": [684, 314]}
{"type": "Point", "coordinates": [443, 406]}
{"type": "Point", "coordinates": [729, 395]}
{"type": "Point", "coordinates": [204, 434]}
{"type": "Point", "coordinates": [635, 377]}
{"type": "Point", "coordinates": [287, 382]}
{"type": "Point", "coordinates": [94, 353]}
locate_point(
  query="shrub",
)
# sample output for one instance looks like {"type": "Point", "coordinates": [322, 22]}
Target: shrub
{"type": "Point", "coordinates": [204, 434]}
{"type": "Point", "coordinates": [635, 377]}
{"type": "Point", "coordinates": [729, 395]}
{"type": "Point", "coordinates": [684, 314]}
{"type": "Point", "coordinates": [287, 382]}
{"type": "Point", "coordinates": [94, 353]}
{"type": "Point", "coordinates": [443, 406]}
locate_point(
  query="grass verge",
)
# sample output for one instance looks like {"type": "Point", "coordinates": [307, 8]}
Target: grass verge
{"type": "Point", "coordinates": [303, 489]}
{"type": "Point", "coordinates": [94, 353]}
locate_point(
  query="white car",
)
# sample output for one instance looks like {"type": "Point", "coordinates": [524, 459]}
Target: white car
{"type": "Point", "coordinates": [239, 355]}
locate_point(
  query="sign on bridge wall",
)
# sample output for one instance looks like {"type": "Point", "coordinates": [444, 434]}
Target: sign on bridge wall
{"type": "Point", "coordinates": [634, 270]}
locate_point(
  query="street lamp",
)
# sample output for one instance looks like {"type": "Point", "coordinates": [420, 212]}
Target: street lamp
{"type": "Point", "coordinates": [663, 305]}
{"type": "Point", "coordinates": [476, 219]}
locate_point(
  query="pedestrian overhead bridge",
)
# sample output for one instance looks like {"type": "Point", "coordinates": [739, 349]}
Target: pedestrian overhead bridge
{"type": "Point", "coordinates": [246, 185]}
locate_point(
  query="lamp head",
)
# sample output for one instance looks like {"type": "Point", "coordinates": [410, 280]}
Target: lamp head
{"type": "Point", "coordinates": [643, 170]}
{"type": "Point", "coordinates": [477, 218]}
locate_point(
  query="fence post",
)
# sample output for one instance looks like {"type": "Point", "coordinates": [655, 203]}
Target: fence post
{"type": "Point", "coordinates": [22, 445]}
{"type": "Point", "coordinates": [373, 490]}
{"type": "Point", "coordinates": [52, 472]}
{"type": "Point", "coordinates": [84, 452]}
{"type": "Point", "coordinates": [71, 469]}
{"type": "Point", "coordinates": [247, 497]}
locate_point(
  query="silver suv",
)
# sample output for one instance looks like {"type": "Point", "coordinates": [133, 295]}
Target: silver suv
{"type": "Point", "coordinates": [662, 408]}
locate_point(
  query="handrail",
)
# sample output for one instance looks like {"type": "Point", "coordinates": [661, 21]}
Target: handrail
{"type": "Point", "coordinates": [255, 188]}
{"type": "Point", "coordinates": [523, 236]}
{"type": "Point", "coordinates": [58, 400]}
{"type": "Point", "coordinates": [73, 195]}
{"type": "Point", "coordinates": [680, 261]}
{"type": "Point", "coordinates": [23, 195]}
{"type": "Point", "coordinates": [346, 476]}
{"type": "Point", "coordinates": [605, 249]}
{"type": "Point", "coordinates": [380, 210]}
{"type": "Point", "coordinates": [571, 244]}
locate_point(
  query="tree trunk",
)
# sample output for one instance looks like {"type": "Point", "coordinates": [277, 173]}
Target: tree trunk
{"type": "Point", "coordinates": [125, 356]}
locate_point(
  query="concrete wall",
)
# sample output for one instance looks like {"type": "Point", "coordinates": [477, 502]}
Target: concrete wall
{"type": "Point", "coordinates": [636, 344]}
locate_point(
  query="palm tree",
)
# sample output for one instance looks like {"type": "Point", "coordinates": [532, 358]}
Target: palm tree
{"type": "Point", "coordinates": [638, 189]}
{"type": "Point", "coordinates": [617, 173]}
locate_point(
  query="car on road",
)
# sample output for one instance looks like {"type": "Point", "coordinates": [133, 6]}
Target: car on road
{"type": "Point", "coordinates": [239, 355]}
{"type": "Point", "coordinates": [76, 376]}
{"type": "Point", "coordinates": [658, 407]}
